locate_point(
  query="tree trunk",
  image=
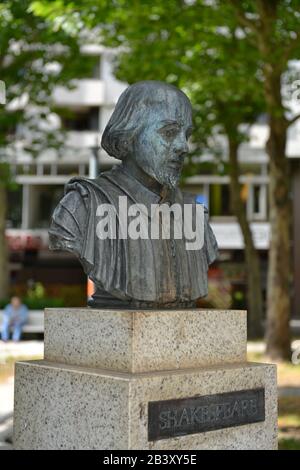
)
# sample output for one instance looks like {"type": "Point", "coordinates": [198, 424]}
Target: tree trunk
{"type": "Point", "coordinates": [3, 247]}
{"type": "Point", "coordinates": [280, 260]}
{"type": "Point", "coordinates": [254, 289]}
{"type": "Point", "coordinates": [280, 268]}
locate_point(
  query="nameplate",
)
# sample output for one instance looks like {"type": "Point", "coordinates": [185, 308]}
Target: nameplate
{"type": "Point", "coordinates": [171, 418]}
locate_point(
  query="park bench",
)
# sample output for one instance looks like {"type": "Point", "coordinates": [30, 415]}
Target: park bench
{"type": "Point", "coordinates": [35, 323]}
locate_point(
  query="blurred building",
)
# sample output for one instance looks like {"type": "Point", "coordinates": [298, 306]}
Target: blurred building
{"type": "Point", "coordinates": [41, 182]}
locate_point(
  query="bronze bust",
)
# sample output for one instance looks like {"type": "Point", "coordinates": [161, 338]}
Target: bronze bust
{"type": "Point", "coordinates": [148, 131]}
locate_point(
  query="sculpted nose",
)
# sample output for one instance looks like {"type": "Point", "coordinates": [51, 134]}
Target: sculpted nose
{"type": "Point", "coordinates": [181, 145]}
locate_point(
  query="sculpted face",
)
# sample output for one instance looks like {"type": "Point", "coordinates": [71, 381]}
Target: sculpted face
{"type": "Point", "coordinates": [162, 143]}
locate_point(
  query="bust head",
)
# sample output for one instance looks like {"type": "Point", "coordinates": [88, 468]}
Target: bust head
{"type": "Point", "coordinates": [149, 128]}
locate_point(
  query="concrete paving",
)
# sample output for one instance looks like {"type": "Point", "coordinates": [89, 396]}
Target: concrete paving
{"type": "Point", "coordinates": [6, 397]}
{"type": "Point", "coordinates": [260, 346]}
{"type": "Point", "coordinates": [21, 349]}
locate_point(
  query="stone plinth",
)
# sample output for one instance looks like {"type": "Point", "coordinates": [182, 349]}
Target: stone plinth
{"type": "Point", "coordinates": [103, 401]}
{"type": "Point", "coordinates": [142, 341]}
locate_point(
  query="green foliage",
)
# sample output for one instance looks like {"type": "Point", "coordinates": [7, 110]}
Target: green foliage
{"type": "Point", "coordinates": [210, 49]}
{"type": "Point", "coordinates": [34, 58]}
{"type": "Point", "coordinates": [6, 176]}
{"type": "Point", "coordinates": [36, 291]}
{"type": "Point", "coordinates": [38, 296]}
{"type": "Point", "coordinates": [289, 444]}
{"type": "Point", "coordinates": [181, 43]}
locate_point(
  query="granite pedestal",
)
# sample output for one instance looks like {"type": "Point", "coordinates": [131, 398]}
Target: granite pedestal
{"type": "Point", "coordinates": [145, 380]}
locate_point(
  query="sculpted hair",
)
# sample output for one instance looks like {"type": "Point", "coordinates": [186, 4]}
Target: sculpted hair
{"type": "Point", "coordinates": [129, 115]}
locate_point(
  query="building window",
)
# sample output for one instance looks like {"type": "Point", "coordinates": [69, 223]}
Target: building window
{"type": "Point", "coordinates": [257, 202]}
{"type": "Point", "coordinates": [14, 208]}
{"type": "Point", "coordinates": [44, 200]}
{"type": "Point", "coordinates": [219, 200]}
{"type": "Point", "coordinates": [86, 119]}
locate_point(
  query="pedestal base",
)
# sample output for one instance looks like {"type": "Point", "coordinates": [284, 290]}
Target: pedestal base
{"type": "Point", "coordinates": [67, 407]}
{"type": "Point", "coordinates": [145, 380]}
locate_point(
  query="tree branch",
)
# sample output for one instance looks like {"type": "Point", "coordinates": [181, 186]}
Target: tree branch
{"type": "Point", "coordinates": [293, 120]}
{"type": "Point", "coordinates": [294, 43]}
{"type": "Point", "coordinates": [242, 18]}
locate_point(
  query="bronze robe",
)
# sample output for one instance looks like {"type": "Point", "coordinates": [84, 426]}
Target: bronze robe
{"type": "Point", "coordinates": [129, 273]}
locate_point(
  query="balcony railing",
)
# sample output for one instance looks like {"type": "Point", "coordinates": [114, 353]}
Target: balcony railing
{"type": "Point", "coordinates": [89, 92]}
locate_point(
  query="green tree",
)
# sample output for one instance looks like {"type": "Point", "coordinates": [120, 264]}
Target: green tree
{"type": "Point", "coordinates": [273, 27]}
{"type": "Point", "coordinates": [34, 58]}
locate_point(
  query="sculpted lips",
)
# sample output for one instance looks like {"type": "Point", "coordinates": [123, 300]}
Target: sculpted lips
{"type": "Point", "coordinates": [176, 163]}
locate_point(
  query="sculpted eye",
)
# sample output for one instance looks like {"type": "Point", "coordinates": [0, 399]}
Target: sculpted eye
{"type": "Point", "coordinates": [169, 132]}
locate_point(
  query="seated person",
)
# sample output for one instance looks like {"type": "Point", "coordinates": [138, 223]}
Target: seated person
{"type": "Point", "coordinates": [15, 316]}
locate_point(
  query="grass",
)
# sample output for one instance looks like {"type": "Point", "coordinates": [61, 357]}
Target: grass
{"type": "Point", "coordinates": [289, 444]}
{"type": "Point", "coordinates": [289, 423]}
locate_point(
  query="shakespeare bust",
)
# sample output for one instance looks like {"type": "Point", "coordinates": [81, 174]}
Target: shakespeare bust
{"type": "Point", "coordinates": [140, 239]}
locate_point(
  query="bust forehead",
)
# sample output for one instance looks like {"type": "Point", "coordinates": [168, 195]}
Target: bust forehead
{"type": "Point", "coordinates": [168, 104]}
